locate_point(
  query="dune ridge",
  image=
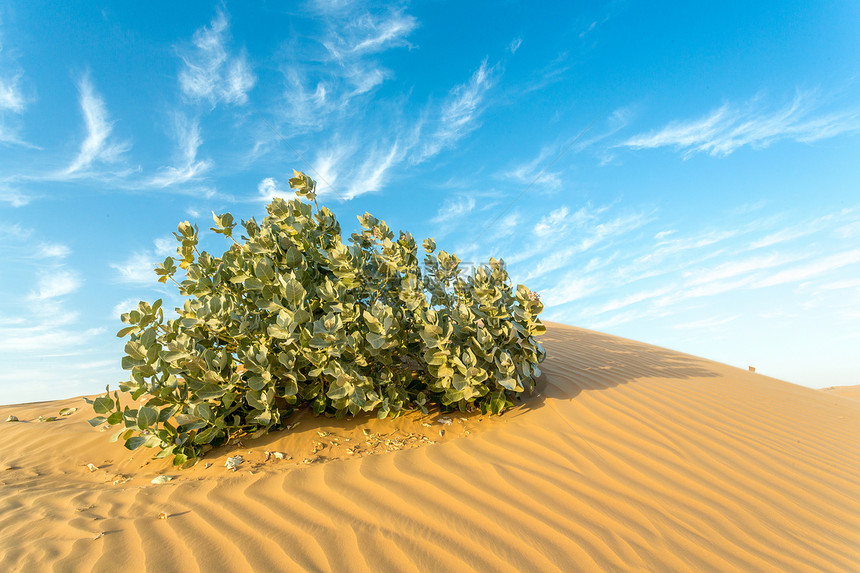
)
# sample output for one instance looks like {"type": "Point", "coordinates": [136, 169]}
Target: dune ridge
{"type": "Point", "coordinates": [630, 458]}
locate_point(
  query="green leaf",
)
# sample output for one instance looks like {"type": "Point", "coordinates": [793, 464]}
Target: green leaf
{"type": "Point", "coordinates": [211, 391]}
{"type": "Point", "coordinates": [135, 442]}
{"type": "Point", "coordinates": [294, 292]}
{"type": "Point", "coordinates": [146, 417]}
{"type": "Point", "coordinates": [96, 421]}
{"type": "Point", "coordinates": [102, 405]}
{"type": "Point", "coordinates": [293, 257]}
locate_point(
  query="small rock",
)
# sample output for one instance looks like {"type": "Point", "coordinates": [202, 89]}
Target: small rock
{"type": "Point", "coordinates": [425, 424]}
{"type": "Point", "coordinates": [234, 462]}
{"type": "Point", "coordinates": [281, 456]}
{"type": "Point", "coordinates": [100, 535]}
{"type": "Point", "coordinates": [444, 420]}
{"type": "Point", "coordinates": [322, 434]}
{"type": "Point", "coordinates": [207, 465]}
{"type": "Point", "coordinates": [12, 419]}
{"type": "Point", "coordinates": [441, 432]}
{"type": "Point", "coordinates": [162, 515]}
{"type": "Point", "coordinates": [291, 426]}
{"type": "Point", "coordinates": [268, 455]}
{"type": "Point", "coordinates": [161, 479]}
{"type": "Point", "coordinates": [92, 467]}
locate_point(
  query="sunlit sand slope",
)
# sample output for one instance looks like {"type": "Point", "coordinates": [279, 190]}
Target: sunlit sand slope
{"type": "Point", "coordinates": [632, 458]}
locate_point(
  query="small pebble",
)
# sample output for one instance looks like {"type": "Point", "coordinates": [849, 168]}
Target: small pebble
{"type": "Point", "coordinates": [92, 467]}
{"type": "Point", "coordinates": [234, 462]}
{"type": "Point", "coordinates": [12, 419]}
{"type": "Point", "coordinates": [162, 515]}
{"type": "Point", "coordinates": [161, 479]}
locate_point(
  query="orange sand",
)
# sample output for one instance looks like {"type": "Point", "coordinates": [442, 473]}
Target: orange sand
{"type": "Point", "coordinates": [632, 458]}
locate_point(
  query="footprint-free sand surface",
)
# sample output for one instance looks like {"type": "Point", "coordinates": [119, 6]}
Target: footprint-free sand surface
{"type": "Point", "coordinates": [630, 458]}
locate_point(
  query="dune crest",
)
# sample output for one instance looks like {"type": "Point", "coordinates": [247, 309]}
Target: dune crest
{"type": "Point", "coordinates": [631, 458]}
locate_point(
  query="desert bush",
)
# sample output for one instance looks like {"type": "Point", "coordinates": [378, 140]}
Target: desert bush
{"type": "Point", "coordinates": [291, 316]}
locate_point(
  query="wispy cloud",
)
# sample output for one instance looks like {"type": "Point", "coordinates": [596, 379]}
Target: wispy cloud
{"type": "Point", "coordinates": [187, 136]}
{"type": "Point", "coordinates": [269, 188]}
{"type": "Point", "coordinates": [454, 208]}
{"type": "Point", "coordinates": [56, 284]}
{"type": "Point", "coordinates": [729, 128]}
{"type": "Point", "coordinates": [811, 270]}
{"type": "Point", "coordinates": [460, 112]}
{"type": "Point", "coordinates": [515, 44]}
{"type": "Point", "coordinates": [553, 222]}
{"type": "Point", "coordinates": [527, 173]}
{"type": "Point", "coordinates": [53, 251]}
{"type": "Point", "coordinates": [137, 269]}
{"type": "Point", "coordinates": [11, 98]}
{"type": "Point", "coordinates": [327, 80]}
{"type": "Point", "coordinates": [98, 146]}
{"type": "Point", "coordinates": [210, 72]}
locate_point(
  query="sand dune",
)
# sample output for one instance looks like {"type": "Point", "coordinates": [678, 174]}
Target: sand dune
{"type": "Point", "coordinates": [845, 391]}
{"type": "Point", "coordinates": [632, 458]}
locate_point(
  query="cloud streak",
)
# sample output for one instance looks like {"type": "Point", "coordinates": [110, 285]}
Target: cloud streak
{"type": "Point", "coordinates": [460, 111]}
{"type": "Point", "coordinates": [98, 146]}
{"type": "Point", "coordinates": [187, 136]}
{"type": "Point", "coordinates": [729, 128]}
{"type": "Point", "coordinates": [210, 72]}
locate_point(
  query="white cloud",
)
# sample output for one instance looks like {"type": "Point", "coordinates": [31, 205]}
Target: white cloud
{"type": "Point", "coordinates": [53, 251]}
{"type": "Point", "coordinates": [707, 323]}
{"type": "Point", "coordinates": [527, 173]}
{"type": "Point", "coordinates": [552, 223]}
{"type": "Point", "coordinates": [460, 111]}
{"type": "Point", "coordinates": [124, 306]}
{"type": "Point", "coordinates": [210, 73]}
{"type": "Point", "coordinates": [812, 270]}
{"type": "Point", "coordinates": [269, 188]}
{"type": "Point", "coordinates": [97, 146]}
{"type": "Point", "coordinates": [12, 196]}
{"type": "Point", "coordinates": [729, 128]}
{"type": "Point", "coordinates": [327, 84]}
{"type": "Point", "coordinates": [371, 175]}
{"type": "Point", "coordinates": [11, 98]}
{"type": "Point", "coordinates": [56, 284]}
{"type": "Point", "coordinates": [454, 208]}
{"type": "Point", "coordinates": [515, 45]}
{"type": "Point", "coordinates": [165, 246]}
{"type": "Point", "coordinates": [569, 289]}
{"type": "Point", "coordinates": [187, 136]}
{"type": "Point", "coordinates": [138, 269]}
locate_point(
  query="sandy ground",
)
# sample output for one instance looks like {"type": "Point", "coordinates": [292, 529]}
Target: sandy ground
{"type": "Point", "coordinates": [631, 458]}
{"type": "Point", "coordinates": [846, 391]}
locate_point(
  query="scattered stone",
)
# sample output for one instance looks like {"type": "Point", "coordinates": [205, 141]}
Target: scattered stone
{"type": "Point", "coordinates": [121, 479]}
{"type": "Point", "coordinates": [281, 456]}
{"type": "Point", "coordinates": [366, 431]}
{"type": "Point", "coordinates": [268, 455]}
{"type": "Point", "coordinates": [291, 426]}
{"type": "Point", "coordinates": [12, 419]}
{"type": "Point", "coordinates": [441, 432]}
{"type": "Point", "coordinates": [322, 434]}
{"type": "Point", "coordinates": [162, 515]}
{"type": "Point", "coordinates": [207, 465]}
{"type": "Point", "coordinates": [161, 479]}
{"type": "Point", "coordinates": [92, 467]}
{"type": "Point", "coordinates": [445, 420]}
{"type": "Point", "coordinates": [100, 535]}
{"type": "Point", "coordinates": [426, 425]}
{"type": "Point", "coordinates": [318, 446]}
{"type": "Point", "coordinates": [234, 462]}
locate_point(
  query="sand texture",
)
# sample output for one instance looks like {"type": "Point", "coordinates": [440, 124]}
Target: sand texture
{"type": "Point", "coordinates": [631, 458]}
{"type": "Point", "coordinates": [845, 391]}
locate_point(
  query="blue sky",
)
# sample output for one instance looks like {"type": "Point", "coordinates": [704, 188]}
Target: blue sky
{"type": "Point", "coordinates": [710, 206]}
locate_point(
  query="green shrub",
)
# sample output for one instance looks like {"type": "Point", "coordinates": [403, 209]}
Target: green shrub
{"type": "Point", "coordinates": [291, 316]}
